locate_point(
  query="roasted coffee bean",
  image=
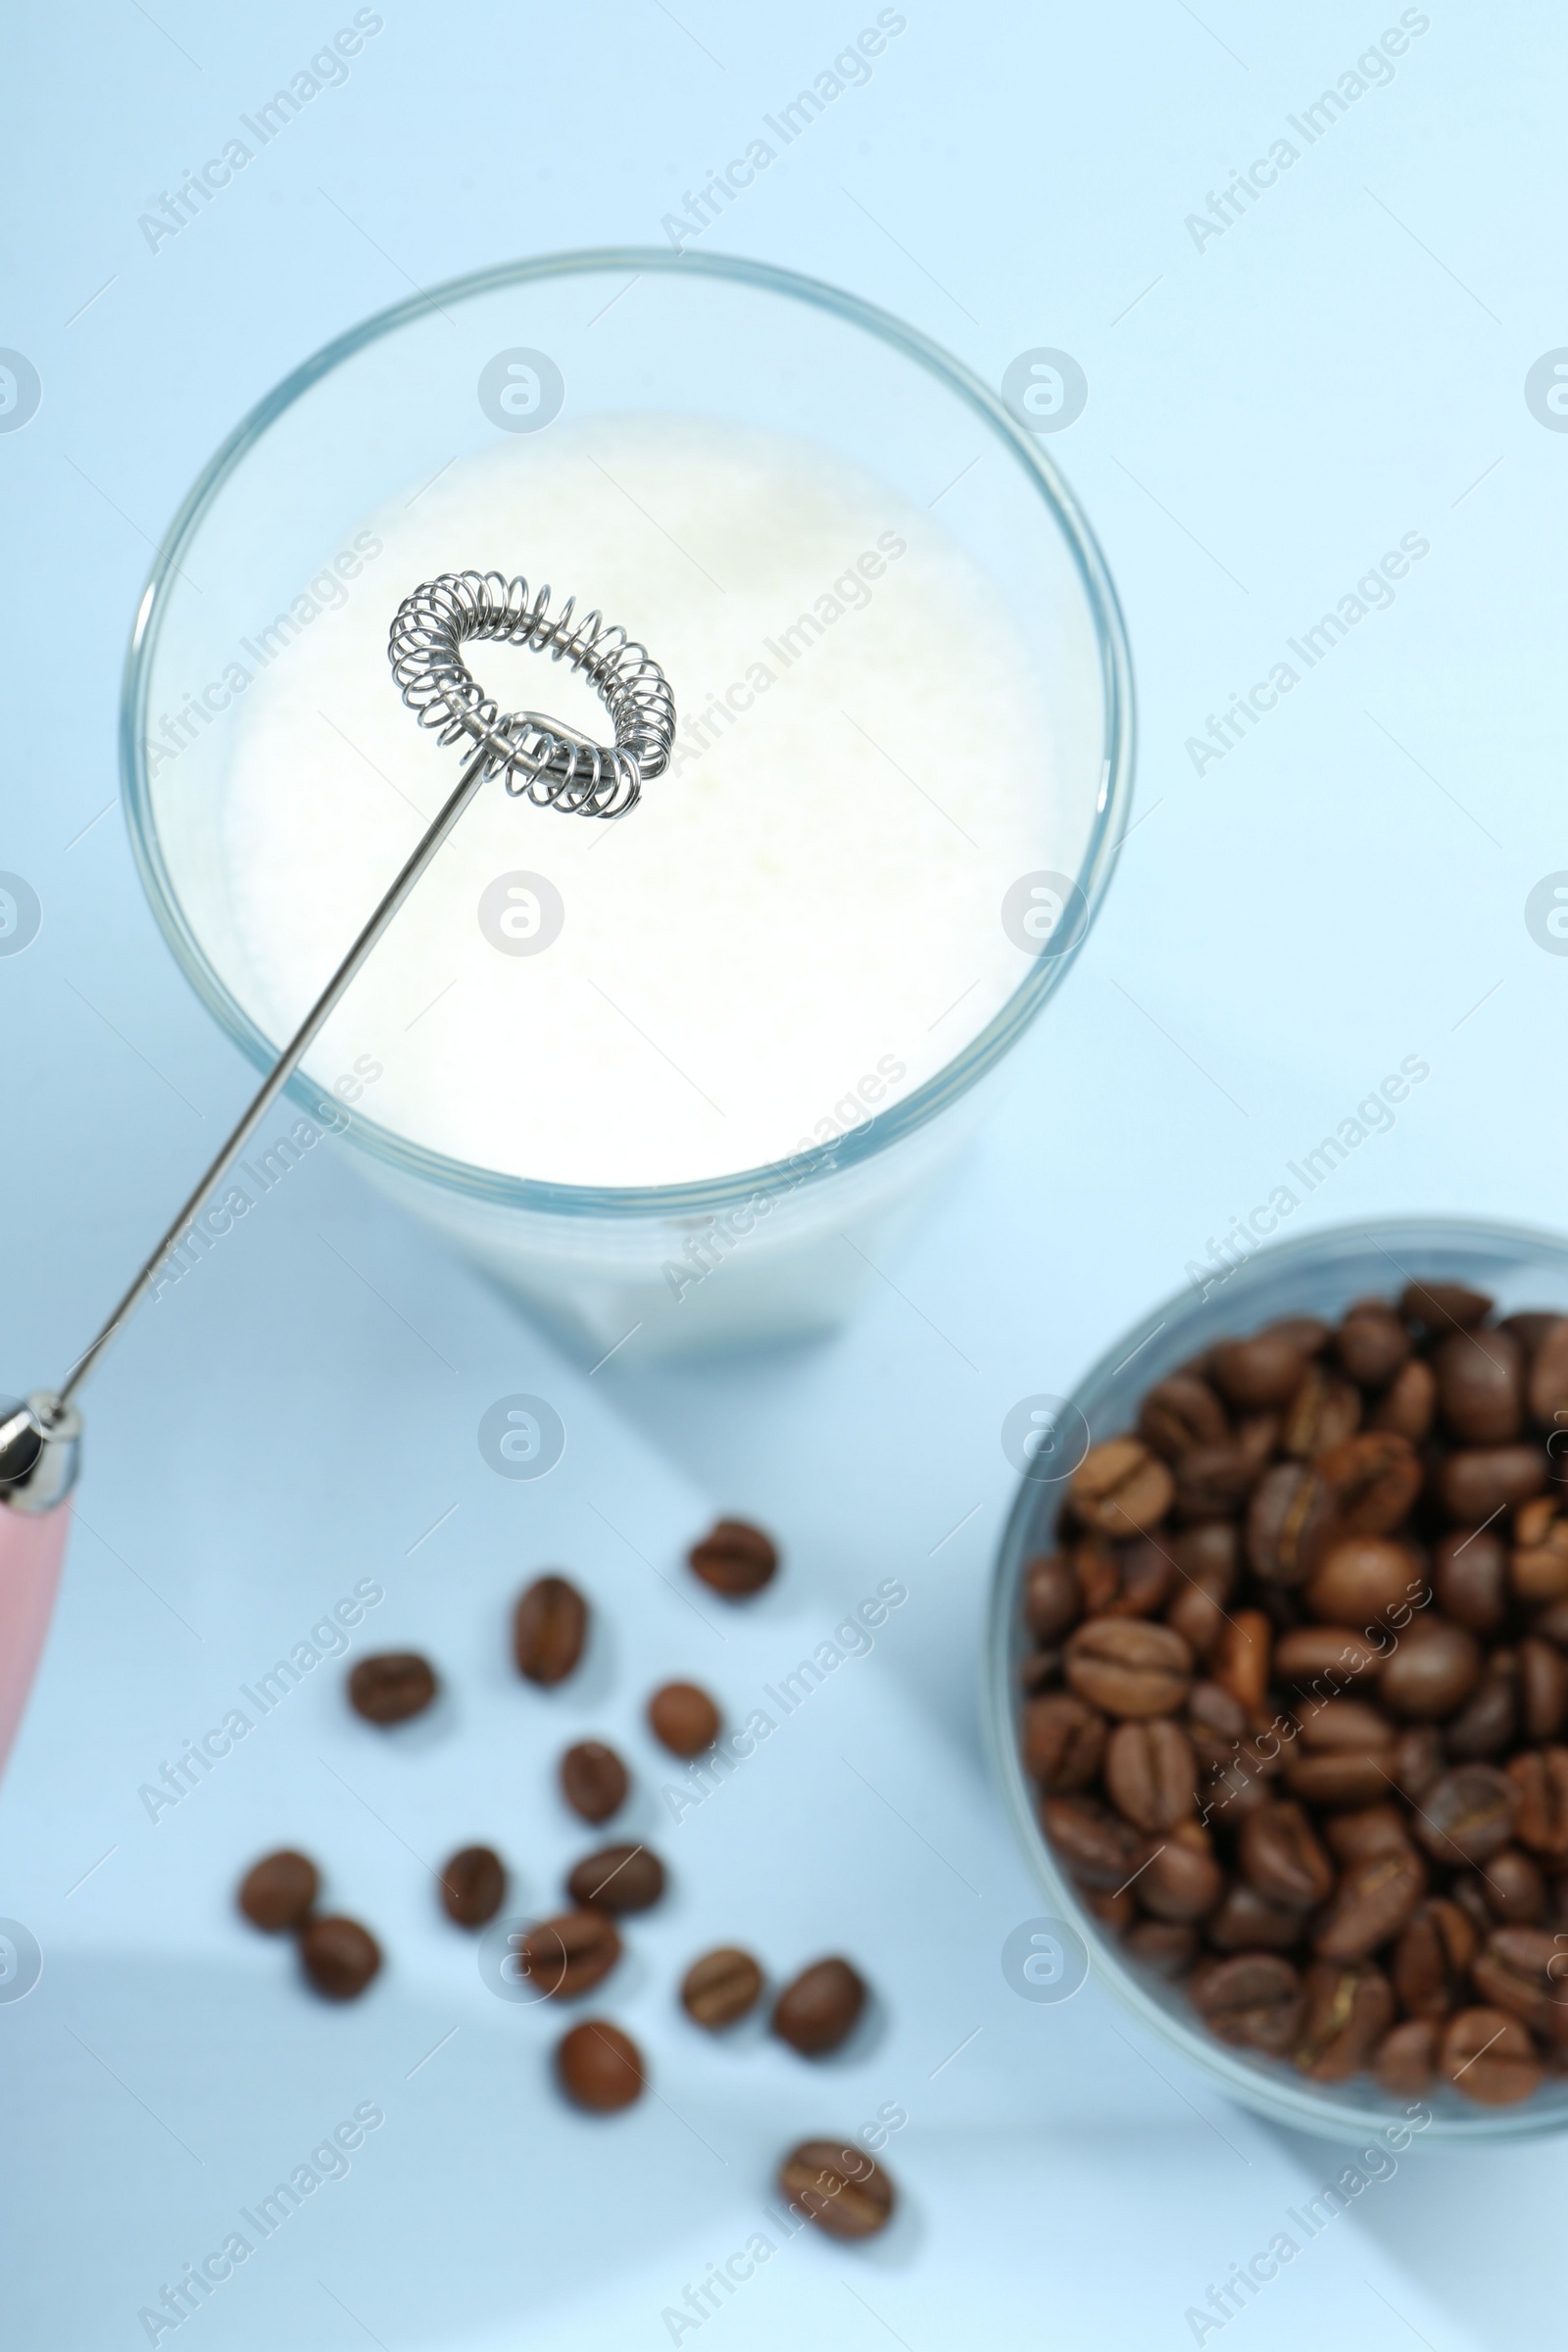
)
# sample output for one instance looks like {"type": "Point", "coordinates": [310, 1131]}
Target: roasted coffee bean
{"type": "Point", "coordinates": [1418, 1761]}
{"type": "Point", "coordinates": [338, 1956]}
{"type": "Point", "coordinates": [735, 1559]}
{"type": "Point", "coordinates": [1309, 1333]}
{"type": "Point", "coordinates": [599, 2066]}
{"type": "Point", "coordinates": [1547, 1381]}
{"type": "Point", "coordinates": [1350, 2007]}
{"type": "Point", "coordinates": [1129, 1666]}
{"type": "Point", "coordinates": [1214, 1481]}
{"type": "Point", "coordinates": [1407, 2059]}
{"type": "Point", "coordinates": [1543, 1690]}
{"type": "Point", "coordinates": [1490, 2057]}
{"type": "Point", "coordinates": [1323, 1412]}
{"type": "Point", "coordinates": [1341, 1757]}
{"type": "Point", "coordinates": [548, 1626]}
{"type": "Point", "coordinates": [277, 1891]}
{"type": "Point", "coordinates": [1166, 1945]}
{"type": "Point", "coordinates": [1521, 1970]}
{"type": "Point", "coordinates": [1241, 1659]}
{"type": "Point", "coordinates": [1097, 1566]}
{"type": "Point", "coordinates": [1539, 1783]}
{"type": "Point", "coordinates": [1255, 2000]}
{"type": "Point", "coordinates": [819, 2008]}
{"type": "Point", "coordinates": [1208, 1553]}
{"type": "Point", "coordinates": [1289, 1521]}
{"type": "Point", "coordinates": [593, 1779]}
{"type": "Point", "coordinates": [1433, 1671]}
{"type": "Point", "coordinates": [1362, 1579]}
{"type": "Point", "coordinates": [1529, 1328]}
{"type": "Point", "coordinates": [1236, 1787]}
{"type": "Point", "coordinates": [1063, 1742]}
{"type": "Point", "coordinates": [1468, 1814]}
{"type": "Point", "coordinates": [1552, 1624]}
{"type": "Point", "coordinates": [1213, 1712]}
{"type": "Point", "coordinates": [721, 1989]}
{"type": "Point", "coordinates": [1538, 1565]}
{"type": "Point", "coordinates": [1113, 1907]}
{"type": "Point", "coordinates": [1281, 1857]}
{"type": "Point", "coordinates": [1051, 1602]}
{"type": "Point", "coordinates": [1470, 1576]}
{"type": "Point", "coordinates": [839, 2186]}
{"type": "Point", "coordinates": [1246, 1923]}
{"type": "Point", "coordinates": [1097, 1847]}
{"type": "Point", "coordinates": [1353, 1838]}
{"type": "Point", "coordinates": [1371, 1343]}
{"type": "Point", "coordinates": [1181, 1412]}
{"type": "Point", "coordinates": [1325, 1659]}
{"type": "Point", "coordinates": [1259, 1373]}
{"type": "Point", "coordinates": [1444, 1307]}
{"type": "Point", "coordinates": [1480, 1386]}
{"type": "Point", "coordinates": [1120, 1488]}
{"type": "Point", "coordinates": [1373, 1478]}
{"type": "Point", "coordinates": [1181, 1880]}
{"type": "Point", "coordinates": [1197, 1611]}
{"type": "Point", "coordinates": [1513, 1888]}
{"type": "Point", "coordinates": [1151, 1773]}
{"type": "Point", "coordinates": [1145, 1573]}
{"type": "Point", "coordinates": [1375, 1898]}
{"type": "Point", "coordinates": [617, 1878]}
{"type": "Point", "coordinates": [1431, 1965]}
{"type": "Point", "coordinates": [1487, 1723]}
{"type": "Point", "coordinates": [1480, 1481]}
{"type": "Point", "coordinates": [1411, 1403]}
{"type": "Point", "coordinates": [392, 1686]}
{"type": "Point", "coordinates": [683, 1719]}
{"type": "Point", "coordinates": [568, 1954]}
{"type": "Point", "coordinates": [473, 1887]}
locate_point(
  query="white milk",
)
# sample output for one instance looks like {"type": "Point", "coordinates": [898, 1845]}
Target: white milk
{"type": "Point", "coordinates": [800, 922]}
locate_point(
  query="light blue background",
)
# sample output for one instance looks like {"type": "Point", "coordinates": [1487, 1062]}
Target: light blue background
{"type": "Point", "coordinates": [1265, 418]}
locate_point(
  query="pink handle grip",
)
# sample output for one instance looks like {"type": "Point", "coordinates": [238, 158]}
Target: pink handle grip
{"type": "Point", "coordinates": [33, 1546]}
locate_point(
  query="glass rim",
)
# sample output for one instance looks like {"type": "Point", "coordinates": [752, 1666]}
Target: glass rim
{"type": "Point", "coordinates": [706, 1195]}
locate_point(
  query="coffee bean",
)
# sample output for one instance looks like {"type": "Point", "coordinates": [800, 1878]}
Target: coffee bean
{"type": "Point", "coordinates": [473, 1887]}
{"type": "Point", "coordinates": [338, 1956]}
{"type": "Point", "coordinates": [1467, 1893]}
{"type": "Point", "coordinates": [1352, 1838]}
{"type": "Point", "coordinates": [1150, 1773]}
{"type": "Point", "coordinates": [1375, 1898]}
{"type": "Point", "coordinates": [1128, 1666]}
{"type": "Point", "coordinates": [1063, 1742]}
{"type": "Point", "coordinates": [735, 1559]}
{"type": "Point", "coordinates": [1323, 1412]}
{"type": "Point", "coordinates": [683, 1718]}
{"type": "Point", "coordinates": [1281, 1857]}
{"type": "Point", "coordinates": [1546, 1383]}
{"type": "Point", "coordinates": [1113, 1907]}
{"type": "Point", "coordinates": [1431, 1672]}
{"type": "Point", "coordinates": [1214, 1481]}
{"type": "Point", "coordinates": [1166, 1945]}
{"type": "Point", "coordinates": [1468, 1814]}
{"type": "Point", "coordinates": [548, 1626]}
{"type": "Point", "coordinates": [1261, 1372]}
{"type": "Point", "coordinates": [1513, 1888]}
{"type": "Point", "coordinates": [1519, 1970]}
{"type": "Point", "coordinates": [1543, 1690]}
{"type": "Point", "coordinates": [1480, 1481]}
{"type": "Point", "coordinates": [1144, 1575]}
{"type": "Point", "coordinates": [1289, 1521]}
{"type": "Point", "coordinates": [1350, 2007]}
{"type": "Point", "coordinates": [819, 2008]}
{"type": "Point", "coordinates": [1210, 1552]}
{"type": "Point", "coordinates": [1374, 1477]}
{"type": "Point", "coordinates": [1470, 1576]}
{"type": "Point", "coordinates": [1417, 1762]}
{"type": "Point", "coordinates": [1406, 2058]}
{"type": "Point", "coordinates": [1529, 1329]}
{"type": "Point", "coordinates": [1197, 1610]}
{"type": "Point", "coordinates": [1487, 1723]}
{"type": "Point", "coordinates": [1309, 1333]}
{"type": "Point", "coordinates": [392, 1686]}
{"type": "Point", "coordinates": [1362, 1579]}
{"type": "Point", "coordinates": [1343, 1754]}
{"type": "Point", "coordinates": [1411, 1403]}
{"type": "Point", "coordinates": [1538, 1782]}
{"type": "Point", "coordinates": [1212, 1711]}
{"type": "Point", "coordinates": [1040, 1670]}
{"type": "Point", "coordinates": [1051, 1597]}
{"type": "Point", "coordinates": [1242, 1656]}
{"type": "Point", "coordinates": [1480, 1386]}
{"type": "Point", "coordinates": [277, 1891]}
{"type": "Point", "coordinates": [617, 1878]}
{"type": "Point", "coordinates": [1444, 1307]}
{"type": "Point", "coordinates": [1097, 1847]}
{"type": "Point", "coordinates": [1371, 1343]}
{"type": "Point", "coordinates": [599, 2066]}
{"type": "Point", "coordinates": [838, 2186]}
{"type": "Point", "coordinates": [1552, 1624]}
{"type": "Point", "coordinates": [1490, 2057]}
{"type": "Point", "coordinates": [1255, 2000]}
{"type": "Point", "coordinates": [593, 1779]}
{"type": "Point", "coordinates": [1325, 1659]}
{"type": "Point", "coordinates": [721, 1989]}
{"type": "Point", "coordinates": [1431, 1964]}
{"type": "Point", "coordinates": [568, 1954]}
{"type": "Point", "coordinates": [1181, 1880]}
{"type": "Point", "coordinates": [1247, 1923]}
{"type": "Point", "coordinates": [1181, 1412]}
{"type": "Point", "coordinates": [1121, 1488]}
{"type": "Point", "coordinates": [1538, 1566]}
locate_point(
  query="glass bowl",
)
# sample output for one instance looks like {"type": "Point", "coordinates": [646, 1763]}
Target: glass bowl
{"type": "Point", "coordinates": [384, 410]}
{"type": "Point", "coordinates": [1317, 1275]}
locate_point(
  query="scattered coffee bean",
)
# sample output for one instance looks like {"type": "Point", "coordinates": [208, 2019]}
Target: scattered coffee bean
{"type": "Point", "coordinates": [735, 1559]}
{"type": "Point", "coordinates": [548, 1630]}
{"type": "Point", "coordinates": [721, 1989]}
{"type": "Point", "coordinates": [617, 1878]}
{"type": "Point", "coordinates": [683, 1719]}
{"type": "Point", "coordinates": [839, 2187]}
{"type": "Point", "coordinates": [570, 1954]}
{"type": "Point", "coordinates": [599, 2066]}
{"type": "Point", "coordinates": [819, 2008]}
{"type": "Point", "coordinates": [339, 1956]}
{"type": "Point", "coordinates": [593, 1779]}
{"type": "Point", "coordinates": [473, 1885]}
{"type": "Point", "coordinates": [392, 1686]}
{"type": "Point", "coordinates": [1490, 2057]}
{"type": "Point", "coordinates": [277, 1891]}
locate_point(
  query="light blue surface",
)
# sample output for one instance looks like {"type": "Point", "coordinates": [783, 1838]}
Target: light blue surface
{"type": "Point", "coordinates": [1345, 888]}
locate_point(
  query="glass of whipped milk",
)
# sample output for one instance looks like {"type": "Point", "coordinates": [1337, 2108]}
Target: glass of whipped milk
{"type": "Point", "coordinates": [677, 1079]}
